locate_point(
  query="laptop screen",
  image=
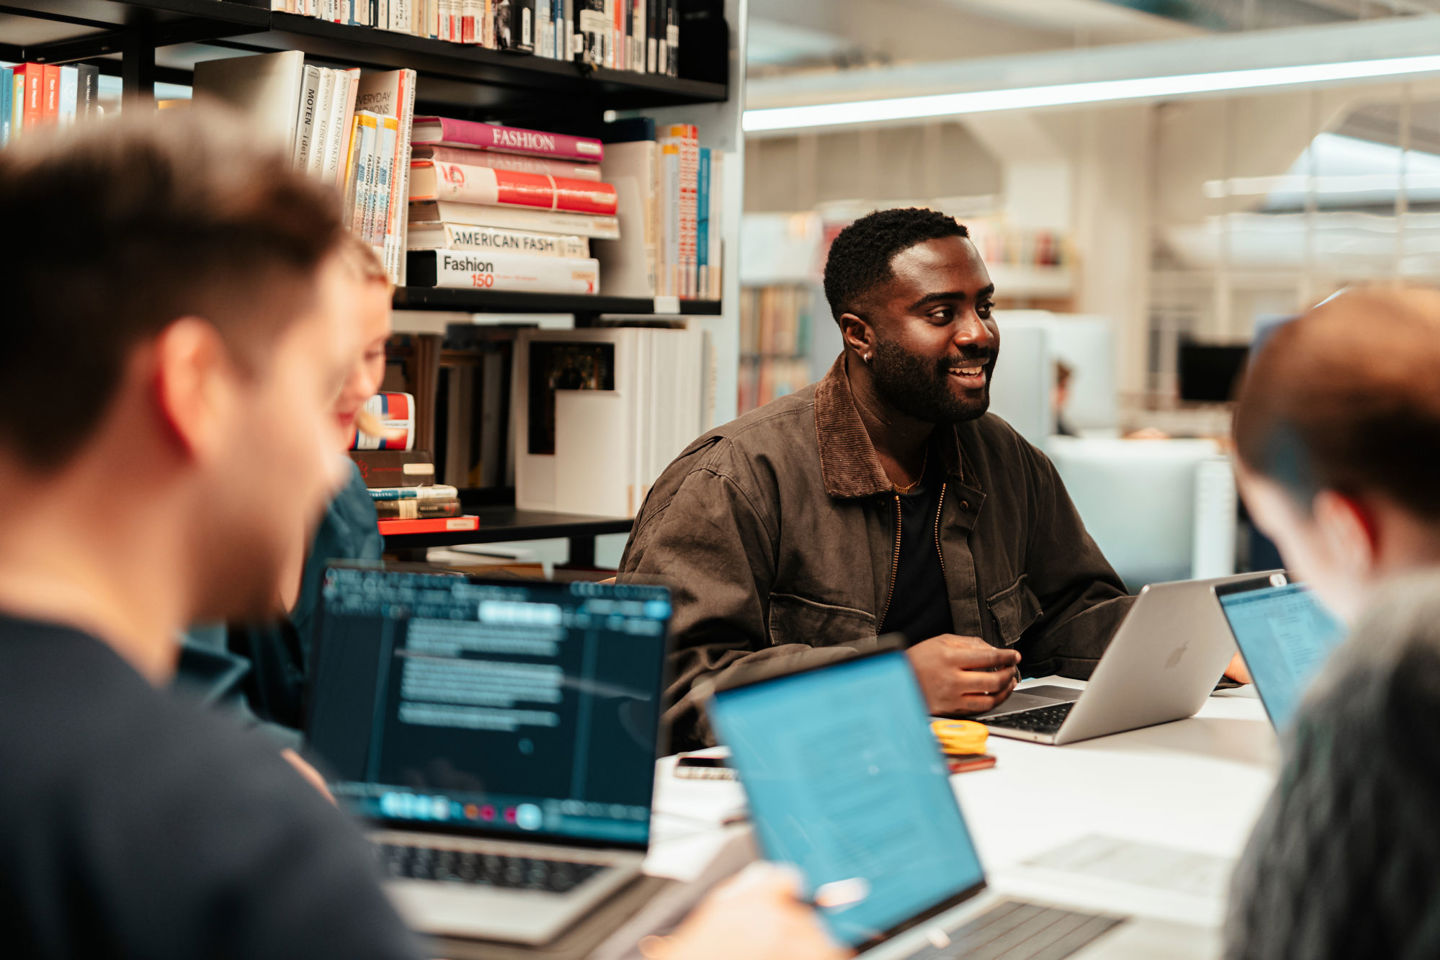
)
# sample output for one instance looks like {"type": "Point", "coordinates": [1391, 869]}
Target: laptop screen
{"type": "Point", "coordinates": [845, 780]}
{"type": "Point", "coordinates": [1285, 636]}
{"type": "Point", "coordinates": [509, 707]}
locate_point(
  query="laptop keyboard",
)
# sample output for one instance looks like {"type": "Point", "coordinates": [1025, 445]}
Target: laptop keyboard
{"type": "Point", "coordinates": [1041, 720]}
{"type": "Point", "coordinates": [403, 861]}
{"type": "Point", "coordinates": [1012, 930]}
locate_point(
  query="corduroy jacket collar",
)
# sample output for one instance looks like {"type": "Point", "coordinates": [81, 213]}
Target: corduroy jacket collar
{"type": "Point", "coordinates": [848, 460]}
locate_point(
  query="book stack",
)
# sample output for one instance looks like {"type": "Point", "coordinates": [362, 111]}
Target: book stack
{"type": "Point", "coordinates": [418, 502]}
{"type": "Point", "coordinates": [599, 413]}
{"type": "Point", "coordinates": [350, 128]}
{"type": "Point", "coordinates": [407, 499]}
{"type": "Point", "coordinates": [33, 95]}
{"type": "Point", "coordinates": [502, 208]}
{"type": "Point", "coordinates": [638, 35]}
{"type": "Point", "coordinates": [671, 197]}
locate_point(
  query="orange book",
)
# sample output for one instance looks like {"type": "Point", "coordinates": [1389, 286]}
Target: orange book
{"type": "Point", "coordinates": [34, 109]}
{"type": "Point", "coordinates": [51, 107]}
{"type": "Point", "coordinates": [391, 528]}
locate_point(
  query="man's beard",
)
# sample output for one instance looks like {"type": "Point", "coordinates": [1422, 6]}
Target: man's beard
{"type": "Point", "coordinates": [921, 388]}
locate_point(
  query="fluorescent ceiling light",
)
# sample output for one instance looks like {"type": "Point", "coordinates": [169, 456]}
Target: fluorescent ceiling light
{"type": "Point", "coordinates": [1062, 94]}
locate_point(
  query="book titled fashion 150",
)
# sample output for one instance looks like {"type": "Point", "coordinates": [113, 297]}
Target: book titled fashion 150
{"type": "Point", "coordinates": [504, 271]}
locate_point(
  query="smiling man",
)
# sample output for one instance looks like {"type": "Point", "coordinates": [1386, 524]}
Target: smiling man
{"type": "Point", "coordinates": [883, 499]}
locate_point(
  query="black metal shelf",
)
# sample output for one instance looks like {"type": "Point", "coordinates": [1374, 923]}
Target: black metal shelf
{"type": "Point", "coordinates": [183, 32]}
{"type": "Point", "coordinates": [501, 301]}
{"type": "Point", "coordinates": [505, 524]}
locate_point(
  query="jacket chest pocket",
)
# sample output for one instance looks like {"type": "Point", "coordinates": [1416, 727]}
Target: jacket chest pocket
{"type": "Point", "coordinates": [1014, 609]}
{"type": "Point", "coordinates": [796, 619]}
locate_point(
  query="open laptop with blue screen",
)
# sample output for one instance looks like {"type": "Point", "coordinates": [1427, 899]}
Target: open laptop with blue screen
{"type": "Point", "coordinates": [846, 781]}
{"type": "Point", "coordinates": [500, 735]}
{"type": "Point", "coordinates": [1285, 637]}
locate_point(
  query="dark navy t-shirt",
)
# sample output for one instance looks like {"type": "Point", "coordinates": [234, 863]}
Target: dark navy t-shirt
{"type": "Point", "coordinates": [920, 603]}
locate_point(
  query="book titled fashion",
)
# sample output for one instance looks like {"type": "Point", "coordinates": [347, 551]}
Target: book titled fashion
{"type": "Point", "coordinates": [391, 528]}
{"type": "Point", "coordinates": [457, 236]}
{"type": "Point", "coordinates": [463, 183]}
{"type": "Point", "coordinates": [513, 218]}
{"type": "Point", "coordinates": [446, 131]}
{"type": "Point", "coordinates": [476, 270]}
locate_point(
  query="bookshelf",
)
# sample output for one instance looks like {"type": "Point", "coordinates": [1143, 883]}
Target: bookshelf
{"type": "Point", "coordinates": [145, 42]}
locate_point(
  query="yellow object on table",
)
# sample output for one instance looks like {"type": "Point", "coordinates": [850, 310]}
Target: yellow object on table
{"type": "Point", "coordinates": [959, 738]}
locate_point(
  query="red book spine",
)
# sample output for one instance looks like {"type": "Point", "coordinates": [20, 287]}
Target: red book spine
{"type": "Point", "coordinates": [514, 188]}
{"type": "Point", "coordinates": [34, 95]}
{"type": "Point", "coordinates": [390, 528]}
{"type": "Point", "coordinates": [51, 108]}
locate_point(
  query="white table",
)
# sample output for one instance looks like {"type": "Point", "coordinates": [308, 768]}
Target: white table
{"type": "Point", "coordinates": [1194, 785]}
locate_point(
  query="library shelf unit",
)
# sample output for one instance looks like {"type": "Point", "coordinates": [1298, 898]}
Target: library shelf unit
{"type": "Point", "coordinates": [146, 42]}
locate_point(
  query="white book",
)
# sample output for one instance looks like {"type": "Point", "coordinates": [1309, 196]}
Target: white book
{"type": "Point", "coordinates": [387, 132]}
{"type": "Point", "coordinates": [515, 218]}
{"type": "Point", "coordinates": [440, 236]}
{"type": "Point", "coordinates": [358, 187]}
{"type": "Point", "coordinates": [325, 129]}
{"type": "Point", "coordinates": [502, 270]}
{"type": "Point", "coordinates": [306, 127]}
{"type": "Point", "coordinates": [629, 264]}
{"type": "Point", "coordinates": [392, 93]}
{"type": "Point", "coordinates": [341, 106]}
{"type": "Point", "coordinates": [265, 87]}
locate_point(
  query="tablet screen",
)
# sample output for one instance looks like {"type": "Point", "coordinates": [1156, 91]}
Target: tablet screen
{"type": "Point", "coordinates": [845, 780]}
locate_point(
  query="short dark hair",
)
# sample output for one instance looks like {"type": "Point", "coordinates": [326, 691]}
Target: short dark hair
{"type": "Point", "coordinates": [860, 255]}
{"type": "Point", "coordinates": [115, 229]}
{"type": "Point", "coordinates": [1347, 398]}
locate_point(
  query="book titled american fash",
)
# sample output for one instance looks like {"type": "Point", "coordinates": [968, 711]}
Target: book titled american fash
{"type": "Point", "coordinates": [457, 236]}
{"type": "Point", "coordinates": [475, 270]}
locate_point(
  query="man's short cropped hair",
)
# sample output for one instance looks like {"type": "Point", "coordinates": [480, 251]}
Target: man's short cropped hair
{"type": "Point", "coordinates": [1347, 398]}
{"type": "Point", "coordinates": [116, 228]}
{"type": "Point", "coordinates": [860, 256]}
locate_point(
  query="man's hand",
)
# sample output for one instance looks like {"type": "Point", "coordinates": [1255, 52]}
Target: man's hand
{"type": "Point", "coordinates": [1237, 670]}
{"type": "Point", "coordinates": [964, 674]}
{"type": "Point", "coordinates": [755, 915]}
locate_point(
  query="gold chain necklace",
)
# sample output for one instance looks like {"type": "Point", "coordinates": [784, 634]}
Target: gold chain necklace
{"type": "Point", "coordinates": [924, 462]}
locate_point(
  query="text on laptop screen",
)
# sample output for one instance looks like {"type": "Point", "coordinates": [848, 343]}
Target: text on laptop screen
{"type": "Point", "coordinates": [530, 707]}
{"type": "Point", "coordinates": [845, 780]}
{"type": "Point", "coordinates": [1285, 636]}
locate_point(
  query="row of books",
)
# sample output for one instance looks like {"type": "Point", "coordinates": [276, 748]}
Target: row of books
{"type": "Point", "coordinates": [638, 35]}
{"type": "Point", "coordinates": [406, 497]}
{"type": "Point", "coordinates": [999, 242]}
{"type": "Point", "coordinates": [503, 208]}
{"type": "Point", "coordinates": [35, 94]}
{"type": "Point", "coordinates": [775, 320]}
{"type": "Point", "coordinates": [762, 379]}
{"type": "Point", "coordinates": [347, 127]}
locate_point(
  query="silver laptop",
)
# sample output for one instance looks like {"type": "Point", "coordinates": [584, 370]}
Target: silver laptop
{"type": "Point", "coordinates": [500, 736]}
{"type": "Point", "coordinates": [856, 795]}
{"type": "Point", "coordinates": [1285, 635]}
{"type": "Point", "coordinates": [1162, 663]}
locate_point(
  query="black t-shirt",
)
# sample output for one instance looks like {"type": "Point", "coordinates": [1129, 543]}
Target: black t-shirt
{"type": "Point", "coordinates": [920, 603]}
{"type": "Point", "coordinates": [135, 824]}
